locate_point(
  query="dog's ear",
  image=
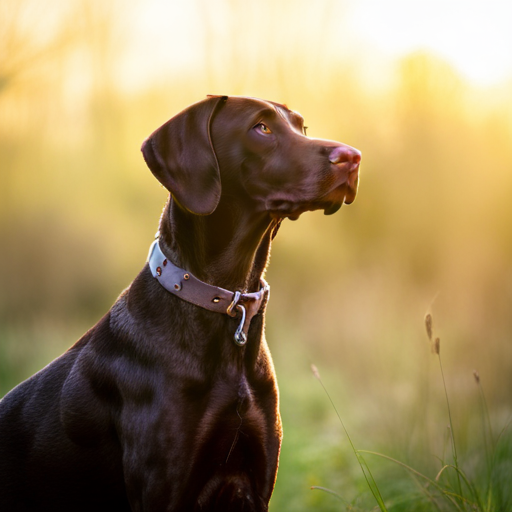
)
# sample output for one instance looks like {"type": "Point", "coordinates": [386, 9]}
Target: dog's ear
{"type": "Point", "coordinates": [181, 156]}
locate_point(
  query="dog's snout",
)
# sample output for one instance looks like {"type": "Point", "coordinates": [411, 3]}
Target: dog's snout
{"type": "Point", "coordinates": [345, 154]}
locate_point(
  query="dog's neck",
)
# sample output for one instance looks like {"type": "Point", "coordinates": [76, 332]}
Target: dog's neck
{"type": "Point", "coordinates": [229, 248]}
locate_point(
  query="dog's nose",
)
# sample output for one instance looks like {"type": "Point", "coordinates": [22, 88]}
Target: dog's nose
{"type": "Point", "coordinates": [345, 154]}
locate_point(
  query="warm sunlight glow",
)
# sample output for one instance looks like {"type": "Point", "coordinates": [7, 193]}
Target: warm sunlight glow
{"type": "Point", "coordinates": [474, 36]}
{"type": "Point", "coordinates": [423, 88]}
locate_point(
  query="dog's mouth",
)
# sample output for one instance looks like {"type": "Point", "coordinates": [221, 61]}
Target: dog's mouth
{"type": "Point", "coordinates": [342, 191]}
{"type": "Point", "coordinates": [332, 209]}
{"type": "Point", "coordinates": [330, 203]}
{"type": "Point", "coordinates": [345, 194]}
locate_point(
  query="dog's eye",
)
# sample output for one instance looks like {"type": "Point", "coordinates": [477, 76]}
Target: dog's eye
{"type": "Point", "coordinates": [263, 128]}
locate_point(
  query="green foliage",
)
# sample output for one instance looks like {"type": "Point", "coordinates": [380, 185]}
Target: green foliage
{"type": "Point", "coordinates": [392, 475]}
{"type": "Point", "coordinates": [430, 230]}
{"type": "Point", "coordinates": [477, 478]}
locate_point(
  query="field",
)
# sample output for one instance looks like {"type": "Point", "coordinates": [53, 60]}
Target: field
{"type": "Point", "coordinates": [429, 233]}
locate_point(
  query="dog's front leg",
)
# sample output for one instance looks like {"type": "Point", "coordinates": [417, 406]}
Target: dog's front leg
{"type": "Point", "coordinates": [156, 449]}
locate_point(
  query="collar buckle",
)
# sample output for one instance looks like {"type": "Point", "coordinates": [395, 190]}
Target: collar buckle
{"type": "Point", "coordinates": [234, 303]}
{"type": "Point", "coordinates": [213, 298]}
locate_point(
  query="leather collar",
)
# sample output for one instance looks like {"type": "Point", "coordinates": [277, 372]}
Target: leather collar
{"type": "Point", "coordinates": [185, 285]}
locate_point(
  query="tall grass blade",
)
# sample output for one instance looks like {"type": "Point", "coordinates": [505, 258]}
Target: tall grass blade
{"type": "Point", "coordinates": [360, 459]}
{"type": "Point", "coordinates": [446, 494]}
{"type": "Point", "coordinates": [452, 435]}
{"type": "Point", "coordinates": [329, 491]}
{"type": "Point", "coordinates": [488, 439]}
{"type": "Point", "coordinates": [436, 349]}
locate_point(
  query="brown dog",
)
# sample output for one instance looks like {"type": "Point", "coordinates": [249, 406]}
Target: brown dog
{"type": "Point", "coordinates": [170, 403]}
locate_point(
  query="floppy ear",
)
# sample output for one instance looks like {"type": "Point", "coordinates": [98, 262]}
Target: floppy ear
{"type": "Point", "coordinates": [181, 156]}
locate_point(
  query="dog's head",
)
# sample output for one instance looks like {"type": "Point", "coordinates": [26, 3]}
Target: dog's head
{"type": "Point", "coordinates": [250, 147]}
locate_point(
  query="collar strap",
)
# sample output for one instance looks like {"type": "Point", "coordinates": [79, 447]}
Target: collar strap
{"type": "Point", "coordinates": [185, 285]}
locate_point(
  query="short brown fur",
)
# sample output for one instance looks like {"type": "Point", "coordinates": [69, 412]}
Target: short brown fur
{"type": "Point", "coordinates": [155, 408]}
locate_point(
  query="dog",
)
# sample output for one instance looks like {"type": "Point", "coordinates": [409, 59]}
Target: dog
{"type": "Point", "coordinates": [170, 402]}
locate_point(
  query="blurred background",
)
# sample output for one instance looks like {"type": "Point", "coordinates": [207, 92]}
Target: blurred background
{"type": "Point", "coordinates": [423, 89]}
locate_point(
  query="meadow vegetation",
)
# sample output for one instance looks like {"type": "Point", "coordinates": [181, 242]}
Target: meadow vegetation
{"type": "Point", "coordinates": [430, 232]}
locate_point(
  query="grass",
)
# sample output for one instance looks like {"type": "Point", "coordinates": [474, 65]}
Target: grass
{"type": "Point", "coordinates": [481, 483]}
{"type": "Point", "coordinates": [368, 476]}
{"type": "Point", "coordinates": [446, 450]}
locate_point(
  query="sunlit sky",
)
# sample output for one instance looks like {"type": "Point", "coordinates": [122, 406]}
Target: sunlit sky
{"type": "Point", "coordinates": [474, 36]}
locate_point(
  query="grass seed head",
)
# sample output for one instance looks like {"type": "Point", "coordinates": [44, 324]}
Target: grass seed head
{"type": "Point", "coordinates": [437, 345]}
{"type": "Point", "coordinates": [428, 325]}
{"type": "Point", "coordinates": [477, 376]}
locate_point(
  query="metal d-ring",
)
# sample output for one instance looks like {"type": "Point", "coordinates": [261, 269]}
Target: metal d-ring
{"type": "Point", "coordinates": [240, 337]}
{"type": "Point", "coordinates": [231, 308]}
